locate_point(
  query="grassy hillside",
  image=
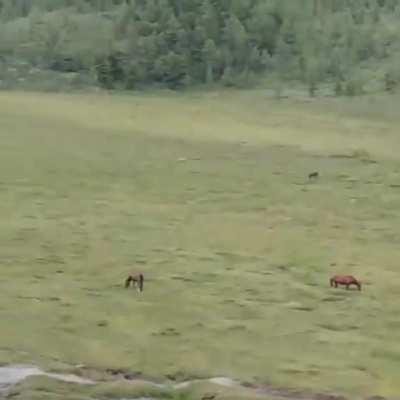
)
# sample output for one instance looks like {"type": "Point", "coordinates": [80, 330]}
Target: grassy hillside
{"type": "Point", "coordinates": [207, 194]}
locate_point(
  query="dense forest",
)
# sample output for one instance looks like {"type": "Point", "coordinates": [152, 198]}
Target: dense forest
{"type": "Point", "coordinates": [129, 44]}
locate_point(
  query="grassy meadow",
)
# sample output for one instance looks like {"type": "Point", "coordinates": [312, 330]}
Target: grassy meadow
{"type": "Point", "coordinates": [207, 194]}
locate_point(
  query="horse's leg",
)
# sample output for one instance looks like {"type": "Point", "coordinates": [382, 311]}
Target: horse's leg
{"type": "Point", "coordinates": [136, 284]}
{"type": "Point", "coordinates": [348, 286]}
{"type": "Point", "coordinates": [355, 284]}
{"type": "Point", "coordinates": [141, 281]}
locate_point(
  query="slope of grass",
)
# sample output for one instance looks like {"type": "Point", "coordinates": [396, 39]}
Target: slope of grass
{"type": "Point", "coordinates": [236, 246]}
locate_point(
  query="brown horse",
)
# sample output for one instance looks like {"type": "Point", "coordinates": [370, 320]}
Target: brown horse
{"type": "Point", "coordinates": [136, 280]}
{"type": "Point", "coordinates": [345, 280]}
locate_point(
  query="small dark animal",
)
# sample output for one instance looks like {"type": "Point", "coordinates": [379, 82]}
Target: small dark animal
{"type": "Point", "coordinates": [313, 175]}
{"type": "Point", "coordinates": [136, 280]}
{"type": "Point", "coordinates": [346, 280]}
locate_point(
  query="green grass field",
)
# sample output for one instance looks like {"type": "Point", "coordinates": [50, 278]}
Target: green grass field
{"type": "Point", "coordinates": [236, 245]}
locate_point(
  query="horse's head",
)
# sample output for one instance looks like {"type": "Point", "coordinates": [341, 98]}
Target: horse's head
{"type": "Point", "coordinates": [128, 281]}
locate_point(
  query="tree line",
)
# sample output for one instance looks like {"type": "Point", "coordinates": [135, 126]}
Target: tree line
{"type": "Point", "coordinates": [129, 44]}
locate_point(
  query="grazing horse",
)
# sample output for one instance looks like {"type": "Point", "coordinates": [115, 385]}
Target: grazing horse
{"type": "Point", "coordinates": [314, 175]}
{"type": "Point", "coordinates": [136, 280]}
{"type": "Point", "coordinates": [346, 280]}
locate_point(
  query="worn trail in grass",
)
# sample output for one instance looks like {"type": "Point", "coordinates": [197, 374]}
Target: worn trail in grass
{"type": "Point", "coordinates": [236, 245]}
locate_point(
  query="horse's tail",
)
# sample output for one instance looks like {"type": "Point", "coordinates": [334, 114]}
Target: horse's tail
{"type": "Point", "coordinates": [331, 281]}
{"type": "Point", "coordinates": [359, 285]}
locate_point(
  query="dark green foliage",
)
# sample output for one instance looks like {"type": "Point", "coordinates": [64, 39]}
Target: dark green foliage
{"type": "Point", "coordinates": [110, 70]}
{"type": "Point", "coordinates": [391, 81]}
{"type": "Point", "coordinates": [338, 88]}
{"type": "Point", "coordinates": [66, 64]}
{"type": "Point", "coordinates": [131, 43]}
{"type": "Point", "coordinates": [354, 87]}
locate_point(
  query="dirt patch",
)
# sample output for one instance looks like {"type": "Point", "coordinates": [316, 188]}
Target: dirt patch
{"type": "Point", "coordinates": [14, 374]}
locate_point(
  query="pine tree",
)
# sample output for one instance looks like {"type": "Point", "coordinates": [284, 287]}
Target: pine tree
{"type": "Point", "coordinates": [209, 19]}
{"type": "Point", "coordinates": [210, 56]}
